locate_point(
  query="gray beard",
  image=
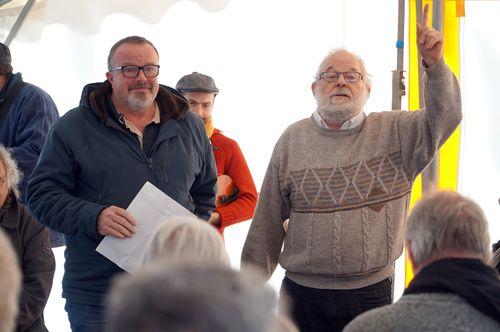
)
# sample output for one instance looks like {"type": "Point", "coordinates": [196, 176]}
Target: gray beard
{"type": "Point", "coordinates": [138, 105]}
{"type": "Point", "coordinates": [340, 113]}
{"type": "Point", "coordinates": [337, 114]}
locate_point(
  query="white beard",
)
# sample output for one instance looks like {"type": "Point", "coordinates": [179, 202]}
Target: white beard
{"type": "Point", "coordinates": [340, 112]}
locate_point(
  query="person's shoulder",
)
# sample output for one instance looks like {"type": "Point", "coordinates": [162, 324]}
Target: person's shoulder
{"type": "Point", "coordinates": [394, 317]}
{"type": "Point", "coordinates": [304, 124]}
{"type": "Point", "coordinates": [297, 128]}
{"type": "Point", "coordinates": [192, 120]}
{"type": "Point", "coordinates": [378, 319]}
{"type": "Point", "coordinates": [26, 218]}
{"type": "Point", "coordinates": [74, 118]}
{"type": "Point", "coordinates": [222, 140]}
{"type": "Point", "coordinates": [384, 115]}
{"type": "Point", "coordinates": [32, 90]}
{"type": "Point", "coordinates": [191, 126]}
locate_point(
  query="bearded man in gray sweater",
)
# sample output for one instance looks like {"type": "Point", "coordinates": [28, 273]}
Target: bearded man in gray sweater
{"type": "Point", "coordinates": [343, 180]}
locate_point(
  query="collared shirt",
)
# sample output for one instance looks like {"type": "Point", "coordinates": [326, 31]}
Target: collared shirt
{"type": "Point", "coordinates": [132, 128]}
{"type": "Point", "coordinates": [349, 124]}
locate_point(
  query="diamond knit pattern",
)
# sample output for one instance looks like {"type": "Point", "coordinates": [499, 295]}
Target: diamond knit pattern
{"type": "Point", "coordinates": [344, 187]}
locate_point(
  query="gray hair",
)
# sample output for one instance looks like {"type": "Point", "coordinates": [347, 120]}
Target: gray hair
{"type": "Point", "coordinates": [366, 76]}
{"type": "Point", "coordinates": [187, 238]}
{"type": "Point", "coordinates": [10, 285]}
{"type": "Point", "coordinates": [190, 297]}
{"type": "Point", "coordinates": [447, 221]}
{"type": "Point", "coordinates": [13, 174]}
{"type": "Point", "coordinates": [127, 40]}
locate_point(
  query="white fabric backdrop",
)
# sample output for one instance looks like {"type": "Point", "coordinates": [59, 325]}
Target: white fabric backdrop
{"type": "Point", "coordinates": [480, 154]}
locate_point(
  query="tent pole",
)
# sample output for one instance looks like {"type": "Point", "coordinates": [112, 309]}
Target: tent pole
{"type": "Point", "coordinates": [4, 2]}
{"type": "Point", "coordinates": [398, 84]}
{"type": "Point", "coordinates": [19, 22]}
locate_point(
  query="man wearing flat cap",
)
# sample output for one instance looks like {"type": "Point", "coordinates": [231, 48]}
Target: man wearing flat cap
{"type": "Point", "coordinates": [237, 196]}
{"type": "Point", "coordinates": [26, 115]}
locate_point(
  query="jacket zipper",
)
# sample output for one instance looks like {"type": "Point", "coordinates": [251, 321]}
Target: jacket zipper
{"type": "Point", "coordinates": [150, 167]}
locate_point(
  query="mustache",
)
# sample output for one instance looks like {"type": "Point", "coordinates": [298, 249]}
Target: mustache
{"type": "Point", "coordinates": [141, 86]}
{"type": "Point", "coordinates": [341, 91]}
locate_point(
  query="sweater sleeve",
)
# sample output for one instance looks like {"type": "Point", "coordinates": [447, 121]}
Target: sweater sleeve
{"type": "Point", "coordinates": [242, 208]}
{"type": "Point", "coordinates": [424, 131]}
{"type": "Point", "coordinates": [265, 236]}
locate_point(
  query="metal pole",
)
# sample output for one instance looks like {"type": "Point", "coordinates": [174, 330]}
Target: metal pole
{"type": "Point", "coordinates": [19, 22]}
{"type": "Point", "coordinates": [4, 2]}
{"type": "Point", "coordinates": [398, 84]}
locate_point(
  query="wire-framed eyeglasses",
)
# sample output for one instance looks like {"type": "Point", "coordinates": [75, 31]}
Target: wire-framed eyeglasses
{"type": "Point", "coordinates": [333, 76]}
{"type": "Point", "coordinates": [131, 71]}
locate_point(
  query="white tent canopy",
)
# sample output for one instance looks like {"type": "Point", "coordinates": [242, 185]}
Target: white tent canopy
{"type": "Point", "coordinates": [86, 16]}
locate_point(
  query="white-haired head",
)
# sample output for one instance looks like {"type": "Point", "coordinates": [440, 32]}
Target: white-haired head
{"type": "Point", "coordinates": [187, 239]}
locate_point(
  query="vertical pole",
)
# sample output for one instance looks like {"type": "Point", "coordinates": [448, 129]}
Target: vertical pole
{"type": "Point", "coordinates": [19, 22]}
{"type": "Point", "coordinates": [398, 85]}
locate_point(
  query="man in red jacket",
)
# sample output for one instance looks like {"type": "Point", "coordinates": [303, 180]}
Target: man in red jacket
{"type": "Point", "coordinates": [237, 196]}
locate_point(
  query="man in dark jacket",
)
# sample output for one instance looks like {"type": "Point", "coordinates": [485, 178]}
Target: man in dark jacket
{"type": "Point", "coordinates": [126, 131]}
{"type": "Point", "coordinates": [26, 115]}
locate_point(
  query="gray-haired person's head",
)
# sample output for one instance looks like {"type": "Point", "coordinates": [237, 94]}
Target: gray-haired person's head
{"type": "Point", "coordinates": [447, 222]}
{"type": "Point", "coordinates": [10, 285]}
{"type": "Point", "coordinates": [366, 77]}
{"type": "Point", "coordinates": [12, 172]}
{"type": "Point", "coordinates": [190, 297]}
{"type": "Point", "coordinates": [187, 239]}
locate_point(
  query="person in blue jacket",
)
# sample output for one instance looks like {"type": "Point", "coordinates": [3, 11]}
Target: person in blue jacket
{"type": "Point", "coordinates": [26, 115]}
{"type": "Point", "coordinates": [126, 131]}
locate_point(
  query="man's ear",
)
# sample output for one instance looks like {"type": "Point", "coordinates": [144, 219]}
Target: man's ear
{"type": "Point", "coordinates": [409, 254]}
{"type": "Point", "coordinates": [313, 87]}
{"type": "Point", "coordinates": [109, 76]}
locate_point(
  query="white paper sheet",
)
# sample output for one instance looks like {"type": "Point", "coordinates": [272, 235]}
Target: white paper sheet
{"type": "Point", "coordinates": [151, 208]}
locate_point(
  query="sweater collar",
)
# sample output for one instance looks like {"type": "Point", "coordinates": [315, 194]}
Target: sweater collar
{"type": "Point", "coordinates": [353, 122]}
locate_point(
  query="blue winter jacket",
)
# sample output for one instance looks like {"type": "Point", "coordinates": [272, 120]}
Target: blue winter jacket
{"type": "Point", "coordinates": [90, 161]}
{"type": "Point", "coordinates": [27, 124]}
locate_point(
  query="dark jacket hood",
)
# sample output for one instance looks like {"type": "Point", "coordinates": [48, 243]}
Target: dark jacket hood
{"type": "Point", "coordinates": [171, 103]}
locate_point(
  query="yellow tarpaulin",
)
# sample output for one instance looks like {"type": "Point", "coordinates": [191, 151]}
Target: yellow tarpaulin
{"type": "Point", "coordinates": [449, 153]}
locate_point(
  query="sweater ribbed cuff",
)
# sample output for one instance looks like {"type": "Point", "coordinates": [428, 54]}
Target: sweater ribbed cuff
{"type": "Point", "coordinates": [226, 216]}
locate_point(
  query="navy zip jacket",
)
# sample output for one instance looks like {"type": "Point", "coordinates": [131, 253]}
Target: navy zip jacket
{"type": "Point", "coordinates": [91, 161]}
{"type": "Point", "coordinates": [24, 129]}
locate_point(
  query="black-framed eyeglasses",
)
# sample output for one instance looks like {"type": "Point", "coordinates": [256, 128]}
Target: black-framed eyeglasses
{"type": "Point", "coordinates": [333, 76]}
{"type": "Point", "coordinates": [131, 71]}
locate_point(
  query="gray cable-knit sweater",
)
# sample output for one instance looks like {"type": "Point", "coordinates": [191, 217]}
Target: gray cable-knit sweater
{"type": "Point", "coordinates": [346, 193]}
{"type": "Point", "coordinates": [434, 312]}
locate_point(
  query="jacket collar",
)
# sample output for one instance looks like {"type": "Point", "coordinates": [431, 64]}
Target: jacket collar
{"type": "Point", "coordinates": [96, 96]}
{"type": "Point", "coordinates": [11, 78]}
